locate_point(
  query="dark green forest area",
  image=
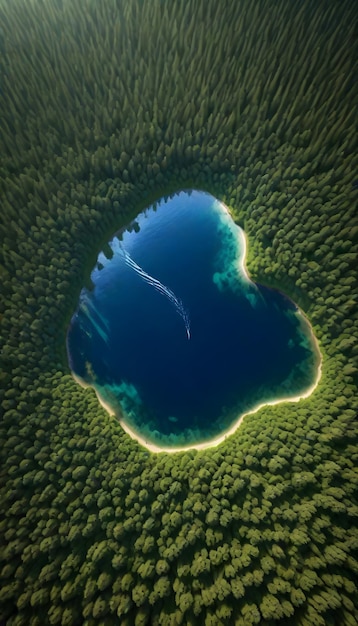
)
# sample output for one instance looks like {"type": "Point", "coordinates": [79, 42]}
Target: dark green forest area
{"type": "Point", "coordinates": [105, 106]}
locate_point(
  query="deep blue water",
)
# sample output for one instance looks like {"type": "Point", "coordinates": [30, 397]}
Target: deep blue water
{"type": "Point", "coordinates": [175, 337]}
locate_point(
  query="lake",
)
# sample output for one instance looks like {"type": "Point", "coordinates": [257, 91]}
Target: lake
{"type": "Point", "coordinates": [175, 337]}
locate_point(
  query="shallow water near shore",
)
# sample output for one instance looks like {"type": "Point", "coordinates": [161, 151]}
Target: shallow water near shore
{"type": "Point", "coordinates": [175, 337]}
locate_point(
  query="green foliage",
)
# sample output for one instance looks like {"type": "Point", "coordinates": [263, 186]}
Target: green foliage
{"type": "Point", "coordinates": [106, 107]}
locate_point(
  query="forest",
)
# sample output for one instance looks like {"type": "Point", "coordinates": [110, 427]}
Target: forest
{"type": "Point", "coordinates": [106, 106]}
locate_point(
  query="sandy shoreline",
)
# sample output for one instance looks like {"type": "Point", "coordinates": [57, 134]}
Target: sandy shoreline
{"type": "Point", "coordinates": [212, 443]}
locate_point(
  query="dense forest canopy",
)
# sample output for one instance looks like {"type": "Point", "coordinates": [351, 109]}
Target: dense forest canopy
{"type": "Point", "coordinates": [105, 106]}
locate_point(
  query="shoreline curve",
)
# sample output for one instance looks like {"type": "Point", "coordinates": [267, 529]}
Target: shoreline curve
{"type": "Point", "coordinates": [213, 443]}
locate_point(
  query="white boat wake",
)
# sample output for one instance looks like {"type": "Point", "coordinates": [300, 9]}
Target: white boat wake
{"type": "Point", "coordinates": [165, 291]}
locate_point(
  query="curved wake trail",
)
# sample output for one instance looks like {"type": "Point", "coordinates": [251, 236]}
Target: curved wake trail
{"type": "Point", "coordinates": [165, 291]}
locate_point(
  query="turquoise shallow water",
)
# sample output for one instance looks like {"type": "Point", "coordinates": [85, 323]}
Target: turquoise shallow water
{"type": "Point", "coordinates": [175, 336]}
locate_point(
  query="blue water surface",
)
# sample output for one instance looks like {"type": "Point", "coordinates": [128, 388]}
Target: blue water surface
{"type": "Point", "coordinates": [176, 337]}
